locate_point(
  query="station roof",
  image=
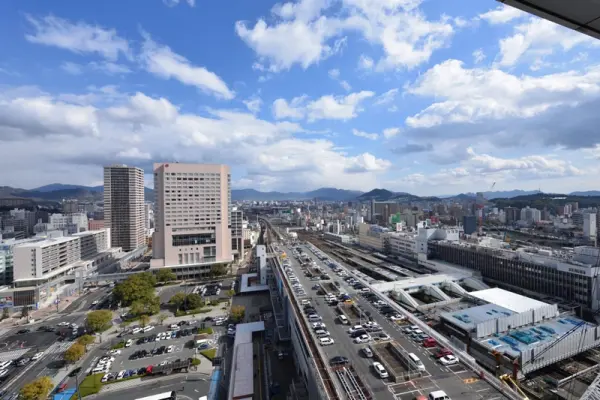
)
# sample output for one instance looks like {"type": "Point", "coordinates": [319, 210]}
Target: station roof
{"type": "Point", "coordinates": [416, 282]}
{"type": "Point", "coordinates": [468, 318]}
{"type": "Point", "coordinates": [580, 15]}
{"type": "Point", "coordinates": [509, 300]}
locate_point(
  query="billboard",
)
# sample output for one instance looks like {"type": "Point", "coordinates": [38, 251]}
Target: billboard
{"type": "Point", "coordinates": [6, 301]}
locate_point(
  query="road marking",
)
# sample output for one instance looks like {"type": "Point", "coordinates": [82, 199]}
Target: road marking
{"type": "Point", "coordinates": [470, 380]}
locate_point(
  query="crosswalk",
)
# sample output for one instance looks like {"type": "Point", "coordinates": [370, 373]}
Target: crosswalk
{"type": "Point", "coordinates": [13, 354]}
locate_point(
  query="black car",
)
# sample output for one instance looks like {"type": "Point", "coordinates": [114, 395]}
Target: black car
{"type": "Point", "coordinates": [208, 319]}
{"type": "Point", "coordinates": [180, 323]}
{"type": "Point", "coordinates": [358, 333]}
{"type": "Point", "coordinates": [74, 372]}
{"type": "Point", "coordinates": [24, 331]}
{"type": "Point", "coordinates": [339, 360]}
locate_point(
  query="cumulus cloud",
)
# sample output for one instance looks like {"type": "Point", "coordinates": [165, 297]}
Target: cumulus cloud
{"type": "Point", "coordinates": [366, 135]}
{"type": "Point", "coordinates": [502, 15]}
{"type": "Point", "coordinates": [161, 61]}
{"type": "Point", "coordinates": [77, 37]}
{"type": "Point", "coordinates": [325, 107]}
{"type": "Point", "coordinates": [406, 36]}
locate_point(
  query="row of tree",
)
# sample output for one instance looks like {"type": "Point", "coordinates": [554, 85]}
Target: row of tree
{"type": "Point", "coordinates": [137, 293]}
{"type": "Point", "coordinates": [182, 301]}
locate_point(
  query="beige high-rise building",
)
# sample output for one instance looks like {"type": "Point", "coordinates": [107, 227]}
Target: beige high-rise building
{"type": "Point", "coordinates": [192, 218]}
{"type": "Point", "coordinates": [124, 206]}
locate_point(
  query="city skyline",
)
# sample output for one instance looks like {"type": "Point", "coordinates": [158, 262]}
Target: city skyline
{"type": "Point", "coordinates": [456, 98]}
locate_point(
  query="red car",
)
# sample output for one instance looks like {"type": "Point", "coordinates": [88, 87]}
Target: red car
{"type": "Point", "coordinates": [429, 342]}
{"type": "Point", "coordinates": [443, 353]}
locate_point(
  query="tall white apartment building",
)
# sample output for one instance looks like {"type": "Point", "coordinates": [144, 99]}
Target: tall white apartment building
{"type": "Point", "coordinates": [237, 233]}
{"type": "Point", "coordinates": [589, 225]}
{"type": "Point", "coordinates": [124, 206]}
{"type": "Point", "coordinates": [73, 223]}
{"type": "Point", "coordinates": [192, 217]}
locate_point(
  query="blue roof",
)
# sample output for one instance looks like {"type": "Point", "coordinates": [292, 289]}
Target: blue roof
{"type": "Point", "coordinates": [522, 339]}
{"type": "Point", "coordinates": [64, 395]}
{"type": "Point", "coordinates": [468, 318]}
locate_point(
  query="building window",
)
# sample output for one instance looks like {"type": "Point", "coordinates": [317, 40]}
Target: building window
{"type": "Point", "coordinates": [193, 239]}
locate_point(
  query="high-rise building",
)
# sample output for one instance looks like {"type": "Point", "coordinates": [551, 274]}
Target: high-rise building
{"type": "Point", "coordinates": [124, 206]}
{"type": "Point", "coordinates": [512, 214]}
{"type": "Point", "coordinates": [589, 225]}
{"type": "Point", "coordinates": [469, 224]}
{"type": "Point", "coordinates": [237, 233]}
{"type": "Point", "coordinates": [192, 220]}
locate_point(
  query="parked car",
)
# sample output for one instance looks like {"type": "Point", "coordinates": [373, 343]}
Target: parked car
{"type": "Point", "coordinates": [448, 360]}
{"type": "Point", "coordinates": [339, 360]}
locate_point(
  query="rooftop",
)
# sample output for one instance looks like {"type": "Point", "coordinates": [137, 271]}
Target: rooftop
{"type": "Point", "coordinates": [525, 338]}
{"type": "Point", "coordinates": [468, 318]}
{"type": "Point", "coordinates": [242, 375]}
{"type": "Point", "coordinates": [508, 300]}
{"type": "Point", "coordinates": [413, 283]}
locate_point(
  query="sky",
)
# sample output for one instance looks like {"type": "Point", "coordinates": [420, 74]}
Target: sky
{"type": "Point", "coordinates": [430, 97]}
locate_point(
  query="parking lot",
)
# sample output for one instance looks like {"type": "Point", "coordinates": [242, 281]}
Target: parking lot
{"type": "Point", "coordinates": [166, 292]}
{"type": "Point", "coordinates": [168, 349]}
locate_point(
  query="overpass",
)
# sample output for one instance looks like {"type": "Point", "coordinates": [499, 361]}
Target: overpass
{"type": "Point", "coordinates": [113, 277]}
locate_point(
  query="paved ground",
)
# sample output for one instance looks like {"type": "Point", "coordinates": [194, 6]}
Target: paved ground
{"type": "Point", "coordinates": [192, 389]}
{"type": "Point", "coordinates": [456, 381]}
{"type": "Point", "coordinates": [166, 292]}
{"type": "Point", "coordinates": [253, 304]}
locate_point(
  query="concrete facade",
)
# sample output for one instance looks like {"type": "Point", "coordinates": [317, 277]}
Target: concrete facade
{"type": "Point", "coordinates": [192, 217]}
{"type": "Point", "coordinates": [124, 206]}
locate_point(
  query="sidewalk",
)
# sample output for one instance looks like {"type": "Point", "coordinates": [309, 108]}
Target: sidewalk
{"type": "Point", "coordinates": [41, 313]}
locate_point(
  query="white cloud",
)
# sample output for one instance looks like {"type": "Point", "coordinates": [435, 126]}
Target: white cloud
{"type": "Point", "coordinates": [407, 38]}
{"type": "Point", "coordinates": [326, 107]}
{"type": "Point", "coordinates": [366, 162]}
{"type": "Point", "coordinates": [365, 63]}
{"type": "Point", "coordinates": [370, 136]}
{"type": "Point", "coordinates": [253, 104]}
{"type": "Point", "coordinates": [173, 3]}
{"type": "Point", "coordinates": [134, 153]}
{"type": "Point", "coordinates": [161, 61]}
{"type": "Point", "coordinates": [538, 38]}
{"type": "Point", "coordinates": [469, 95]}
{"type": "Point", "coordinates": [390, 132]}
{"type": "Point", "coordinates": [386, 98]}
{"type": "Point", "coordinates": [502, 15]}
{"type": "Point", "coordinates": [334, 73]}
{"type": "Point", "coordinates": [77, 37]}
{"type": "Point", "coordinates": [478, 56]}
{"type": "Point", "coordinates": [346, 86]}
{"type": "Point", "coordinates": [106, 67]}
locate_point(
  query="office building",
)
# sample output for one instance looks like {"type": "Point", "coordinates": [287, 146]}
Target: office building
{"type": "Point", "coordinates": [512, 214]}
{"type": "Point", "coordinates": [95, 224]}
{"type": "Point", "coordinates": [569, 276]}
{"type": "Point", "coordinates": [148, 216]}
{"type": "Point", "coordinates": [531, 215]}
{"type": "Point", "coordinates": [72, 223]}
{"type": "Point", "coordinates": [589, 225]}
{"type": "Point", "coordinates": [192, 218]}
{"type": "Point", "coordinates": [70, 206]}
{"type": "Point", "coordinates": [237, 233]}
{"type": "Point", "coordinates": [469, 224]}
{"type": "Point", "coordinates": [124, 206]}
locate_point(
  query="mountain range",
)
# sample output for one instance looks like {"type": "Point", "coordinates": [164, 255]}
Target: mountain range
{"type": "Point", "coordinates": [58, 191]}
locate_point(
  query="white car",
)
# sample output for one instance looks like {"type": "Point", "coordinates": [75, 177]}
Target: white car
{"type": "Point", "coordinates": [170, 349]}
{"type": "Point", "coordinates": [37, 356]}
{"type": "Point", "coordinates": [115, 352]}
{"type": "Point", "coordinates": [449, 360]}
{"type": "Point", "coordinates": [158, 337]}
{"type": "Point", "coordinates": [355, 328]}
{"type": "Point", "coordinates": [362, 339]}
{"type": "Point", "coordinates": [128, 343]}
{"type": "Point", "coordinates": [326, 341]}
{"type": "Point", "coordinates": [120, 374]}
{"type": "Point", "coordinates": [318, 325]}
{"type": "Point", "coordinates": [380, 370]}
{"type": "Point", "coordinates": [305, 302]}
{"type": "Point", "coordinates": [136, 330]}
{"type": "Point", "coordinates": [105, 378]}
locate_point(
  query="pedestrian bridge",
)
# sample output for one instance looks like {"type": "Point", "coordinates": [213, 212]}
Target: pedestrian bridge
{"type": "Point", "coordinates": [116, 277]}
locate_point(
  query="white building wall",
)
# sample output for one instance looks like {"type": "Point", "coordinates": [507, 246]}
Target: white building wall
{"type": "Point", "coordinates": [589, 225]}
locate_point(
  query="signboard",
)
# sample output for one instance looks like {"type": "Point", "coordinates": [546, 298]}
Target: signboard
{"type": "Point", "coordinates": [6, 301]}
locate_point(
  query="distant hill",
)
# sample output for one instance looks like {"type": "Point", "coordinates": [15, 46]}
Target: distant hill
{"type": "Point", "coordinates": [377, 195]}
{"type": "Point", "coordinates": [508, 194]}
{"type": "Point", "coordinates": [586, 193]}
{"type": "Point", "coordinates": [56, 192]}
{"type": "Point", "coordinates": [548, 200]}
{"type": "Point", "coordinates": [53, 187]}
{"type": "Point", "coordinates": [323, 194]}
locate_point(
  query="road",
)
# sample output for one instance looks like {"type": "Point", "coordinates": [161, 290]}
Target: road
{"type": "Point", "coordinates": [343, 345]}
{"type": "Point", "coordinates": [192, 390]}
{"type": "Point", "coordinates": [50, 363]}
{"type": "Point", "coordinates": [450, 379]}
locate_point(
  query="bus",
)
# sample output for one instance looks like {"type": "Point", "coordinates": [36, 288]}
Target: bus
{"type": "Point", "coordinates": [161, 396]}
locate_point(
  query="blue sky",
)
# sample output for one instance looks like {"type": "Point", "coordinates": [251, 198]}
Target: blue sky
{"type": "Point", "coordinates": [429, 97]}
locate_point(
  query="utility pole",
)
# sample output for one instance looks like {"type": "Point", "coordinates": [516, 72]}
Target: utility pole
{"type": "Point", "coordinates": [77, 386]}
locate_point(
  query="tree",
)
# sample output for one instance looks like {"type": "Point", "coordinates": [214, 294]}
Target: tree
{"type": "Point", "coordinates": [98, 321]}
{"type": "Point", "coordinates": [161, 317]}
{"type": "Point", "coordinates": [231, 293]}
{"type": "Point", "coordinates": [25, 312]}
{"type": "Point", "coordinates": [86, 340]}
{"type": "Point", "coordinates": [149, 307]}
{"type": "Point", "coordinates": [178, 300]}
{"type": "Point", "coordinates": [138, 287]}
{"type": "Point", "coordinates": [39, 389]}
{"type": "Point", "coordinates": [74, 353]}
{"type": "Point", "coordinates": [144, 320]}
{"type": "Point", "coordinates": [193, 300]}
{"type": "Point", "coordinates": [5, 313]}
{"type": "Point", "coordinates": [218, 270]}
{"type": "Point", "coordinates": [237, 313]}
{"type": "Point", "coordinates": [165, 275]}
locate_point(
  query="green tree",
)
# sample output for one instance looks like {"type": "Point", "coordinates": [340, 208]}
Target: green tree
{"type": "Point", "coordinates": [193, 300]}
{"type": "Point", "coordinates": [231, 293]}
{"type": "Point", "coordinates": [149, 307]}
{"type": "Point", "coordinates": [39, 389]}
{"type": "Point", "coordinates": [99, 320]}
{"type": "Point", "coordinates": [237, 313]}
{"type": "Point", "coordinates": [165, 275]}
{"type": "Point", "coordinates": [5, 313]}
{"type": "Point", "coordinates": [138, 287]}
{"type": "Point", "coordinates": [144, 320]}
{"type": "Point", "coordinates": [86, 340]}
{"type": "Point", "coordinates": [25, 312]}
{"type": "Point", "coordinates": [178, 300]}
{"type": "Point", "coordinates": [218, 270]}
{"type": "Point", "coordinates": [161, 317]}
{"type": "Point", "coordinates": [74, 353]}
